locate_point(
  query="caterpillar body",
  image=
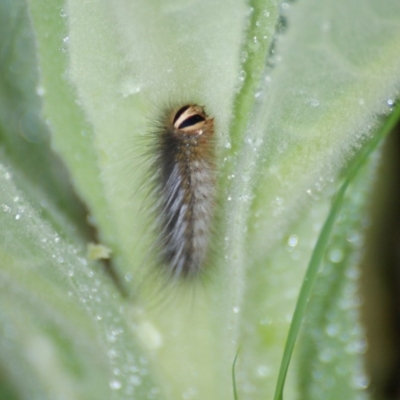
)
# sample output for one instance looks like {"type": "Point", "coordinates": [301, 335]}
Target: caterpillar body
{"type": "Point", "coordinates": [184, 188]}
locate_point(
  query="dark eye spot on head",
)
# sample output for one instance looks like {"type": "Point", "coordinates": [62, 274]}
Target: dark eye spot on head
{"type": "Point", "coordinates": [179, 113]}
{"type": "Point", "coordinates": [193, 120]}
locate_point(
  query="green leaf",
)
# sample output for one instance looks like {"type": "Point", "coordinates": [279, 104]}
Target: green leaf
{"type": "Point", "coordinates": [63, 330]}
{"type": "Point", "coordinates": [326, 331]}
{"type": "Point", "coordinates": [296, 90]}
{"type": "Point", "coordinates": [23, 134]}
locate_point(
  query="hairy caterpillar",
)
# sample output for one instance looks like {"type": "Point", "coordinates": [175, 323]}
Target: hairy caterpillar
{"type": "Point", "coordinates": [184, 187]}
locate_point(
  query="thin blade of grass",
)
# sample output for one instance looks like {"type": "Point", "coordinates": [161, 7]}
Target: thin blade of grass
{"type": "Point", "coordinates": [321, 245]}
{"type": "Point", "coordinates": [235, 393]}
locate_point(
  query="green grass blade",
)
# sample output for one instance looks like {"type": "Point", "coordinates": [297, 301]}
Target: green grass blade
{"type": "Point", "coordinates": [321, 245]}
{"type": "Point", "coordinates": [235, 391]}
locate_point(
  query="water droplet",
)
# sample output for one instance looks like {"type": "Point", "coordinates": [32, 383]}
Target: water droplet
{"type": "Point", "coordinates": [150, 335]}
{"type": "Point", "coordinates": [112, 353]}
{"type": "Point", "coordinates": [250, 11]}
{"type": "Point", "coordinates": [135, 380]}
{"type": "Point", "coordinates": [336, 255]}
{"type": "Point", "coordinates": [354, 238]}
{"type": "Point", "coordinates": [353, 273]}
{"type": "Point", "coordinates": [326, 355]}
{"type": "Point", "coordinates": [318, 375]}
{"type": "Point", "coordinates": [293, 240]}
{"type": "Point", "coordinates": [115, 384]}
{"type": "Point", "coordinates": [263, 371]}
{"type": "Point", "coordinates": [360, 381]}
{"type": "Point", "coordinates": [17, 217]}
{"type": "Point", "coordinates": [332, 330]}
{"type": "Point", "coordinates": [40, 91]}
{"type": "Point", "coordinates": [6, 208]}
{"type": "Point", "coordinates": [243, 56]}
{"type": "Point", "coordinates": [255, 44]}
{"type": "Point", "coordinates": [236, 309]}
{"type": "Point", "coordinates": [361, 346]}
{"type": "Point", "coordinates": [63, 13]}
{"type": "Point", "coordinates": [64, 46]}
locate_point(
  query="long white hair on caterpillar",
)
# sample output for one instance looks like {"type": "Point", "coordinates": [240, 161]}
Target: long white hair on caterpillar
{"type": "Point", "coordinates": [183, 186]}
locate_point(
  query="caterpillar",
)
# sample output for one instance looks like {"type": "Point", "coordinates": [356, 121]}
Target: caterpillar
{"type": "Point", "coordinates": [184, 188]}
